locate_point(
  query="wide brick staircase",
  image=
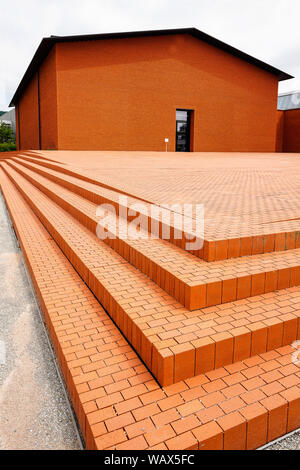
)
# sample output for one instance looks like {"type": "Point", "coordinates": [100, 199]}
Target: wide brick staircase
{"type": "Point", "coordinates": [160, 348]}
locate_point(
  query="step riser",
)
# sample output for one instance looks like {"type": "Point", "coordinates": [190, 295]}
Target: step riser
{"type": "Point", "coordinates": [193, 298]}
{"type": "Point", "coordinates": [184, 363]}
{"type": "Point", "coordinates": [178, 239]}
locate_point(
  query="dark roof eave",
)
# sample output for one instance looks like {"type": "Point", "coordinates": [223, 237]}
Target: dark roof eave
{"type": "Point", "coordinates": [47, 44]}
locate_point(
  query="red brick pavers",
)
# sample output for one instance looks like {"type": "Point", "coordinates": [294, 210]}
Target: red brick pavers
{"type": "Point", "coordinates": [192, 282]}
{"type": "Point", "coordinates": [118, 404]}
{"type": "Point", "coordinates": [251, 200]}
{"type": "Point", "coordinates": [173, 342]}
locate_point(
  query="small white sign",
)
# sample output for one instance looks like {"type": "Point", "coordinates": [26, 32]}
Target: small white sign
{"type": "Point", "coordinates": [2, 353]}
{"type": "Point", "coordinates": [166, 140]}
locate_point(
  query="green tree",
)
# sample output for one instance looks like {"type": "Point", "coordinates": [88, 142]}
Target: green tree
{"type": "Point", "coordinates": [6, 134]}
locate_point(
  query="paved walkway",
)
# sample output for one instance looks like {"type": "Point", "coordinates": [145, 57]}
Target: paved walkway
{"type": "Point", "coordinates": [242, 193]}
{"type": "Point", "coordinates": [34, 413]}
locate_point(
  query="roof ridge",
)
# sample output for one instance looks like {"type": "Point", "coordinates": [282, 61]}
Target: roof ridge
{"type": "Point", "coordinates": [48, 42]}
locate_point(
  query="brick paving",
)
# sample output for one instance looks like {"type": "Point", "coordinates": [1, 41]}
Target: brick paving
{"type": "Point", "coordinates": [251, 205]}
{"type": "Point", "coordinates": [225, 377]}
{"type": "Point", "coordinates": [171, 341]}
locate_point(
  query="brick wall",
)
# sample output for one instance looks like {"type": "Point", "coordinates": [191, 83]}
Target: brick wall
{"type": "Point", "coordinates": [48, 102]}
{"type": "Point", "coordinates": [28, 121]}
{"type": "Point", "coordinates": [28, 128]}
{"type": "Point", "coordinates": [122, 94]}
{"type": "Point", "coordinates": [280, 131]}
{"type": "Point", "coordinates": [291, 138]}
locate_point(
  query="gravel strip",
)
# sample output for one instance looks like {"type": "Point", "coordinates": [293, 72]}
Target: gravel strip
{"type": "Point", "coordinates": [291, 442]}
{"type": "Point", "coordinates": [35, 413]}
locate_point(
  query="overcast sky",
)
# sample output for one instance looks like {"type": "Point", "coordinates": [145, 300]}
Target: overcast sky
{"type": "Point", "coordinates": [266, 29]}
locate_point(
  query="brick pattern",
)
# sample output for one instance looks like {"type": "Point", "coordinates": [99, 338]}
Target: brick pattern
{"type": "Point", "coordinates": [118, 403]}
{"type": "Point", "coordinates": [264, 225]}
{"type": "Point", "coordinates": [147, 78]}
{"type": "Point", "coordinates": [174, 343]}
{"type": "Point", "coordinates": [8, 155]}
{"type": "Point", "coordinates": [194, 284]}
{"type": "Point", "coordinates": [98, 194]}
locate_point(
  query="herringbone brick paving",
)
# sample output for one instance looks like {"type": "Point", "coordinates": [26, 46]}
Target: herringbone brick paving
{"type": "Point", "coordinates": [118, 403]}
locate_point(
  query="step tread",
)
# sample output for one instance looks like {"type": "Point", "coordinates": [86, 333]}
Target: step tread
{"type": "Point", "coordinates": [108, 193]}
{"type": "Point", "coordinates": [184, 264]}
{"type": "Point", "coordinates": [99, 195]}
{"type": "Point", "coordinates": [230, 227]}
{"type": "Point", "coordinates": [164, 332]}
{"type": "Point", "coordinates": [117, 402]}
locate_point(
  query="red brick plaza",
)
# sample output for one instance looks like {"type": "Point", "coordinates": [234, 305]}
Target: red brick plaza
{"type": "Point", "coordinates": [162, 348]}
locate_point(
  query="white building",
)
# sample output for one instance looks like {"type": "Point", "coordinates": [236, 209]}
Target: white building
{"type": "Point", "coordinates": [9, 118]}
{"type": "Point", "coordinates": [290, 100]}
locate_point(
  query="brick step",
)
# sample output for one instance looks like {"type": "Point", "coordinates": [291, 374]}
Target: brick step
{"type": "Point", "coordinates": [99, 195]}
{"type": "Point", "coordinates": [240, 237]}
{"type": "Point", "coordinates": [7, 155]}
{"type": "Point", "coordinates": [174, 342]}
{"type": "Point", "coordinates": [194, 283]}
{"type": "Point", "coordinates": [117, 402]}
{"type": "Point", "coordinates": [150, 256]}
{"type": "Point", "coordinates": [35, 154]}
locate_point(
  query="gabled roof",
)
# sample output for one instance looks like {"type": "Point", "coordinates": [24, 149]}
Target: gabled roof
{"type": "Point", "coordinates": [47, 44]}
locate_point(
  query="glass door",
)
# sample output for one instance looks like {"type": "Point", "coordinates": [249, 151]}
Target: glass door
{"type": "Point", "coordinates": [183, 130]}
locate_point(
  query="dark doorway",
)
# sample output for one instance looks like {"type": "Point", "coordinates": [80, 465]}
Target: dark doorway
{"type": "Point", "coordinates": [183, 130]}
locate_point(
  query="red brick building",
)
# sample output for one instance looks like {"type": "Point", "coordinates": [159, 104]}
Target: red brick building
{"type": "Point", "coordinates": [131, 91]}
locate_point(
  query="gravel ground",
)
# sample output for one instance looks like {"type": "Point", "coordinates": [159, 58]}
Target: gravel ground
{"type": "Point", "coordinates": [288, 443]}
{"type": "Point", "coordinates": [34, 411]}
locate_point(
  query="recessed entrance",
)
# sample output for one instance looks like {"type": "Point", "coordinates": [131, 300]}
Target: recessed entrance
{"type": "Point", "coordinates": [183, 130]}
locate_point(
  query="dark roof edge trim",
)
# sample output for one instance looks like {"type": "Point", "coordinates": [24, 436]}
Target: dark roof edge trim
{"type": "Point", "coordinates": [47, 44]}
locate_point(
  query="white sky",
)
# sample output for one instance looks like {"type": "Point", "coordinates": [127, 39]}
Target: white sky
{"type": "Point", "coordinates": [266, 29]}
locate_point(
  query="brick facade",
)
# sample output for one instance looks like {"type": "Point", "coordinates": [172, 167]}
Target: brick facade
{"type": "Point", "coordinates": [122, 94]}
